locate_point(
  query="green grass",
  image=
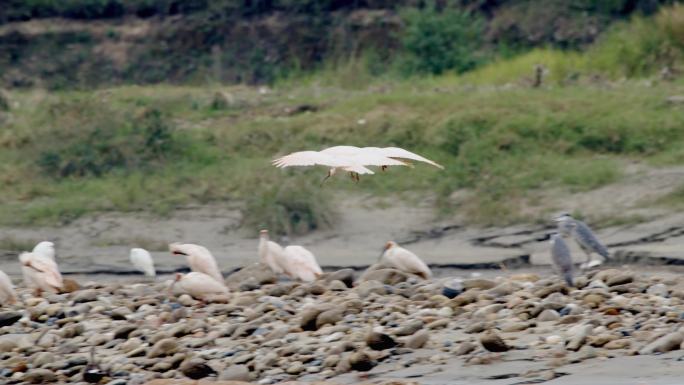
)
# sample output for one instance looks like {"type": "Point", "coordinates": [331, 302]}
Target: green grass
{"type": "Point", "coordinates": [504, 144]}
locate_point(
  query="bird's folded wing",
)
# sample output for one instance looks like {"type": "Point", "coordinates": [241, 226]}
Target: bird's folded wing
{"type": "Point", "coordinates": [49, 268]}
{"type": "Point", "coordinates": [396, 152]}
{"type": "Point", "coordinates": [307, 158]}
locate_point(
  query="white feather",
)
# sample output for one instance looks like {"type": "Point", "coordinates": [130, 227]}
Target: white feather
{"type": "Point", "coordinates": [142, 260]}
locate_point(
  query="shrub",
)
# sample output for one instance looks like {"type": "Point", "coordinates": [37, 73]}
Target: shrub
{"type": "Point", "coordinates": [103, 141]}
{"type": "Point", "coordinates": [437, 41]}
{"type": "Point", "coordinates": [289, 208]}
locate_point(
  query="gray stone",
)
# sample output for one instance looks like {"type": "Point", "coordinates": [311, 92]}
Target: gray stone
{"type": "Point", "coordinates": [478, 283]}
{"type": "Point", "coordinates": [579, 338]}
{"type": "Point", "coordinates": [418, 340]}
{"type": "Point", "coordinates": [87, 295]}
{"type": "Point", "coordinates": [259, 273]}
{"type": "Point", "coordinates": [164, 347]}
{"type": "Point", "coordinates": [387, 276]}
{"type": "Point", "coordinates": [8, 318]}
{"type": "Point", "coordinates": [235, 373]}
{"type": "Point", "coordinates": [366, 288]}
{"type": "Point", "coordinates": [548, 315]}
{"type": "Point", "coordinates": [658, 289]}
{"type": "Point", "coordinates": [346, 276]}
{"type": "Point", "coordinates": [664, 344]}
{"type": "Point", "coordinates": [39, 376]}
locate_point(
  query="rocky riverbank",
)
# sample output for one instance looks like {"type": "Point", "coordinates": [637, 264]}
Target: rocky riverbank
{"type": "Point", "coordinates": [384, 323]}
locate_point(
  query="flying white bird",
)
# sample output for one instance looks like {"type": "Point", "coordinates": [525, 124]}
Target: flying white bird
{"type": "Point", "coordinates": [353, 159]}
{"type": "Point", "coordinates": [400, 153]}
{"type": "Point", "coordinates": [301, 264]}
{"type": "Point", "coordinates": [45, 249]}
{"type": "Point", "coordinates": [40, 273]}
{"type": "Point", "coordinates": [7, 294]}
{"type": "Point", "coordinates": [142, 260]}
{"type": "Point", "coordinates": [199, 259]}
{"type": "Point", "coordinates": [198, 285]}
{"type": "Point", "coordinates": [271, 254]}
{"type": "Point", "coordinates": [404, 260]}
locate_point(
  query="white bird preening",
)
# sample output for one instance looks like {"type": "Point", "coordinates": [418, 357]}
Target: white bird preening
{"type": "Point", "coordinates": [294, 261]}
{"type": "Point", "coordinates": [401, 259]}
{"type": "Point", "coordinates": [271, 254]}
{"type": "Point", "coordinates": [7, 294]}
{"type": "Point", "coordinates": [45, 249]}
{"type": "Point", "coordinates": [40, 273]}
{"type": "Point", "coordinates": [142, 260]}
{"type": "Point", "coordinates": [301, 264]}
{"type": "Point", "coordinates": [353, 159]}
{"type": "Point", "coordinates": [199, 258]}
{"type": "Point", "coordinates": [198, 285]}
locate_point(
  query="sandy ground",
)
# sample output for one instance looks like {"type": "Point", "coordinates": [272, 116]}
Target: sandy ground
{"type": "Point", "coordinates": [96, 247]}
{"type": "Point", "coordinates": [100, 243]}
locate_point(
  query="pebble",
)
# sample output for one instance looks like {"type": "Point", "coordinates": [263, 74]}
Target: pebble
{"type": "Point", "coordinates": [548, 315]}
{"type": "Point", "coordinates": [87, 295]}
{"type": "Point", "coordinates": [409, 327]}
{"type": "Point", "coordinates": [465, 348]}
{"type": "Point", "coordinates": [658, 289]}
{"type": "Point", "coordinates": [478, 283]}
{"type": "Point", "coordinates": [8, 318]}
{"type": "Point", "coordinates": [579, 337]}
{"type": "Point", "coordinates": [235, 373]}
{"type": "Point", "coordinates": [417, 340]}
{"type": "Point", "coordinates": [491, 341]}
{"type": "Point", "coordinates": [39, 376]}
{"type": "Point", "coordinates": [163, 347]}
{"type": "Point", "coordinates": [664, 344]}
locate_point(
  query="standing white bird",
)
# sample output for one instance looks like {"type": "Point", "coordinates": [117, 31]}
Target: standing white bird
{"type": "Point", "coordinates": [7, 294]}
{"type": "Point", "coordinates": [584, 237]}
{"type": "Point", "coordinates": [40, 273]}
{"type": "Point", "coordinates": [271, 254]}
{"type": "Point", "coordinates": [404, 260]}
{"type": "Point", "coordinates": [199, 258]}
{"type": "Point", "coordinates": [301, 264]}
{"type": "Point", "coordinates": [142, 260]}
{"type": "Point", "coordinates": [198, 285]}
{"type": "Point", "coordinates": [45, 249]}
{"type": "Point", "coordinates": [561, 257]}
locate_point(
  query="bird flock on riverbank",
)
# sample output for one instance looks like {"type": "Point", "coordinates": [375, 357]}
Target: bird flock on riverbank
{"type": "Point", "coordinates": [41, 272]}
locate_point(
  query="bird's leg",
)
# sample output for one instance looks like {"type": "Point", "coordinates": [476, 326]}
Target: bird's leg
{"type": "Point", "coordinates": [383, 168]}
{"type": "Point", "coordinates": [326, 177]}
{"type": "Point", "coordinates": [37, 292]}
{"type": "Point", "coordinates": [586, 264]}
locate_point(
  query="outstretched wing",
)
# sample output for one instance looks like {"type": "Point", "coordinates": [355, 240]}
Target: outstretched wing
{"type": "Point", "coordinates": [396, 152]}
{"type": "Point", "coordinates": [307, 158]}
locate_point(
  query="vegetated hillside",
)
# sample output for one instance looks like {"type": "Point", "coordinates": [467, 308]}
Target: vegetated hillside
{"type": "Point", "coordinates": [85, 43]}
{"type": "Point", "coordinates": [157, 148]}
{"type": "Point", "coordinates": [505, 137]}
